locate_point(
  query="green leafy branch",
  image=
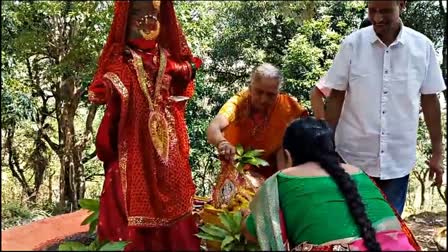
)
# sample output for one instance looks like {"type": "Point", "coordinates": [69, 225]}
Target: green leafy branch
{"type": "Point", "coordinates": [92, 220]}
{"type": "Point", "coordinates": [249, 157]}
{"type": "Point", "coordinates": [229, 235]}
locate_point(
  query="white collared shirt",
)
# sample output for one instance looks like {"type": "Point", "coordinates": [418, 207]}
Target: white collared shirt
{"type": "Point", "coordinates": [377, 129]}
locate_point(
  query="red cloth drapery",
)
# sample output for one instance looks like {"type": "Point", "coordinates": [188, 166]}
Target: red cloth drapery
{"type": "Point", "coordinates": [144, 200]}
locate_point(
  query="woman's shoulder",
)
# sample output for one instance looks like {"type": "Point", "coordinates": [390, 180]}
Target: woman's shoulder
{"type": "Point", "coordinates": [350, 169]}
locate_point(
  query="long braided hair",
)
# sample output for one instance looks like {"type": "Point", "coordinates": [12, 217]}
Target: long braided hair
{"type": "Point", "coordinates": [310, 140]}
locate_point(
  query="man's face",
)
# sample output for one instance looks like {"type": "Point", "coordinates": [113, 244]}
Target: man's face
{"type": "Point", "coordinates": [143, 19]}
{"type": "Point", "coordinates": [263, 93]}
{"type": "Point", "coordinates": [385, 15]}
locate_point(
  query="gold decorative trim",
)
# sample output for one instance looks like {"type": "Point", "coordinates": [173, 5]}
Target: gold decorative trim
{"type": "Point", "coordinates": [122, 146]}
{"type": "Point", "coordinates": [160, 135]}
{"type": "Point", "coordinates": [143, 221]}
{"type": "Point", "coordinates": [117, 83]}
{"type": "Point", "coordinates": [171, 127]}
{"type": "Point", "coordinates": [159, 129]}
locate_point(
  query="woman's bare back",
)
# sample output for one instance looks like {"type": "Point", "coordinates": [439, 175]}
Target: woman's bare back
{"type": "Point", "coordinates": [313, 169]}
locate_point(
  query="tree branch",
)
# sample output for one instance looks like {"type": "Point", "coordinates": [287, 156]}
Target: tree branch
{"type": "Point", "coordinates": [13, 163]}
{"type": "Point", "coordinates": [30, 71]}
{"type": "Point", "coordinates": [93, 108]}
{"type": "Point", "coordinates": [55, 147]}
{"type": "Point", "coordinates": [89, 178]}
{"type": "Point", "coordinates": [89, 157]}
{"type": "Point", "coordinates": [442, 10]}
{"type": "Point", "coordinates": [442, 195]}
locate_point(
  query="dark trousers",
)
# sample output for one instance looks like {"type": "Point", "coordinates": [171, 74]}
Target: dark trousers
{"type": "Point", "coordinates": [395, 191]}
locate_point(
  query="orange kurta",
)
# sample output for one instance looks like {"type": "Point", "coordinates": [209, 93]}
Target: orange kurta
{"type": "Point", "coordinates": [266, 134]}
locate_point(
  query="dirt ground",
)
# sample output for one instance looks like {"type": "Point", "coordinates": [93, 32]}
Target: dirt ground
{"type": "Point", "coordinates": [424, 225]}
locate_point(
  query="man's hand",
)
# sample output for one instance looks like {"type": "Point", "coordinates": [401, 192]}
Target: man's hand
{"type": "Point", "coordinates": [334, 107]}
{"type": "Point", "coordinates": [435, 169]}
{"type": "Point", "coordinates": [226, 151]}
{"type": "Point", "coordinates": [432, 114]}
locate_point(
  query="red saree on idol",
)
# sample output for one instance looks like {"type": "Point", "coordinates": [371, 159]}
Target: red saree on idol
{"type": "Point", "coordinates": [148, 189]}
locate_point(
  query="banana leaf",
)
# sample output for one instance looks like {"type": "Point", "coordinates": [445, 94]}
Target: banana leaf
{"type": "Point", "coordinates": [226, 242]}
{"type": "Point", "coordinates": [214, 231]}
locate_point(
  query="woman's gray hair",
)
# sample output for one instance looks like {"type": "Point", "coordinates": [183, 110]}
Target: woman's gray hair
{"type": "Point", "coordinates": [267, 70]}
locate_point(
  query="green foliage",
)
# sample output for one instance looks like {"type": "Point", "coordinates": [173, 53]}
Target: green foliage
{"type": "Point", "coordinates": [73, 246]}
{"type": "Point", "coordinates": [94, 246]}
{"type": "Point", "coordinates": [251, 33]}
{"type": "Point", "coordinates": [14, 214]}
{"type": "Point", "coordinates": [92, 220]}
{"type": "Point", "coordinates": [230, 236]}
{"type": "Point", "coordinates": [248, 157]}
{"type": "Point", "coordinates": [114, 246]}
{"type": "Point", "coordinates": [50, 53]}
{"type": "Point", "coordinates": [346, 16]}
{"type": "Point", "coordinates": [16, 107]}
{"type": "Point", "coordinates": [311, 51]}
{"type": "Point", "coordinates": [94, 207]}
{"type": "Point", "coordinates": [425, 17]}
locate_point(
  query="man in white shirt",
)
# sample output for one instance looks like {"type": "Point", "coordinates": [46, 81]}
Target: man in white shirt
{"type": "Point", "coordinates": [379, 78]}
{"type": "Point", "coordinates": [319, 92]}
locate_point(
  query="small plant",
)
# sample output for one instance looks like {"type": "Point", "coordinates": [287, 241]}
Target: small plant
{"type": "Point", "coordinates": [94, 207]}
{"type": "Point", "coordinates": [249, 157]}
{"type": "Point", "coordinates": [94, 246]}
{"type": "Point", "coordinates": [229, 235]}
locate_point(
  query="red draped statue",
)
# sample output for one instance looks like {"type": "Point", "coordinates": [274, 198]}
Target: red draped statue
{"type": "Point", "coordinates": [145, 75]}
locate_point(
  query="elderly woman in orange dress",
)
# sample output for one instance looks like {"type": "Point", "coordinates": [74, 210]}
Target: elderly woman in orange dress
{"type": "Point", "coordinates": [255, 118]}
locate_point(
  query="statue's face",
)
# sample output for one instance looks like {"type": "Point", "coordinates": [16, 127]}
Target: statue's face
{"type": "Point", "coordinates": [143, 20]}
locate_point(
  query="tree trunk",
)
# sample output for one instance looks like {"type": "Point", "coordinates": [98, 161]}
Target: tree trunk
{"type": "Point", "coordinates": [72, 169]}
{"type": "Point", "coordinates": [39, 162]}
{"type": "Point", "coordinates": [50, 188]}
{"type": "Point", "coordinates": [69, 165]}
{"type": "Point", "coordinates": [14, 164]}
{"type": "Point", "coordinates": [421, 177]}
{"type": "Point", "coordinates": [422, 194]}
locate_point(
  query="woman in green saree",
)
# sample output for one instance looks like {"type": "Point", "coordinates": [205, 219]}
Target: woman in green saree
{"type": "Point", "coordinates": [321, 204]}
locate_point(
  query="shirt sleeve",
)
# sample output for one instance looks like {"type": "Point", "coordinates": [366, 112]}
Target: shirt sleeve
{"type": "Point", "coordinates": [338, 75]}
{"type": "Point", "coordinates": [433, 82]}
{"type": "Point", "coordinates": [324, 90]}
{"type": "Point", "coordinates": [228, 110]}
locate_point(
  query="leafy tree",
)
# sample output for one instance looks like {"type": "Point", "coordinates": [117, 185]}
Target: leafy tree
{"type": "Point", "coordinates": [16, 108]}
{"type": "Point", "coordinates": [52, 48]}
